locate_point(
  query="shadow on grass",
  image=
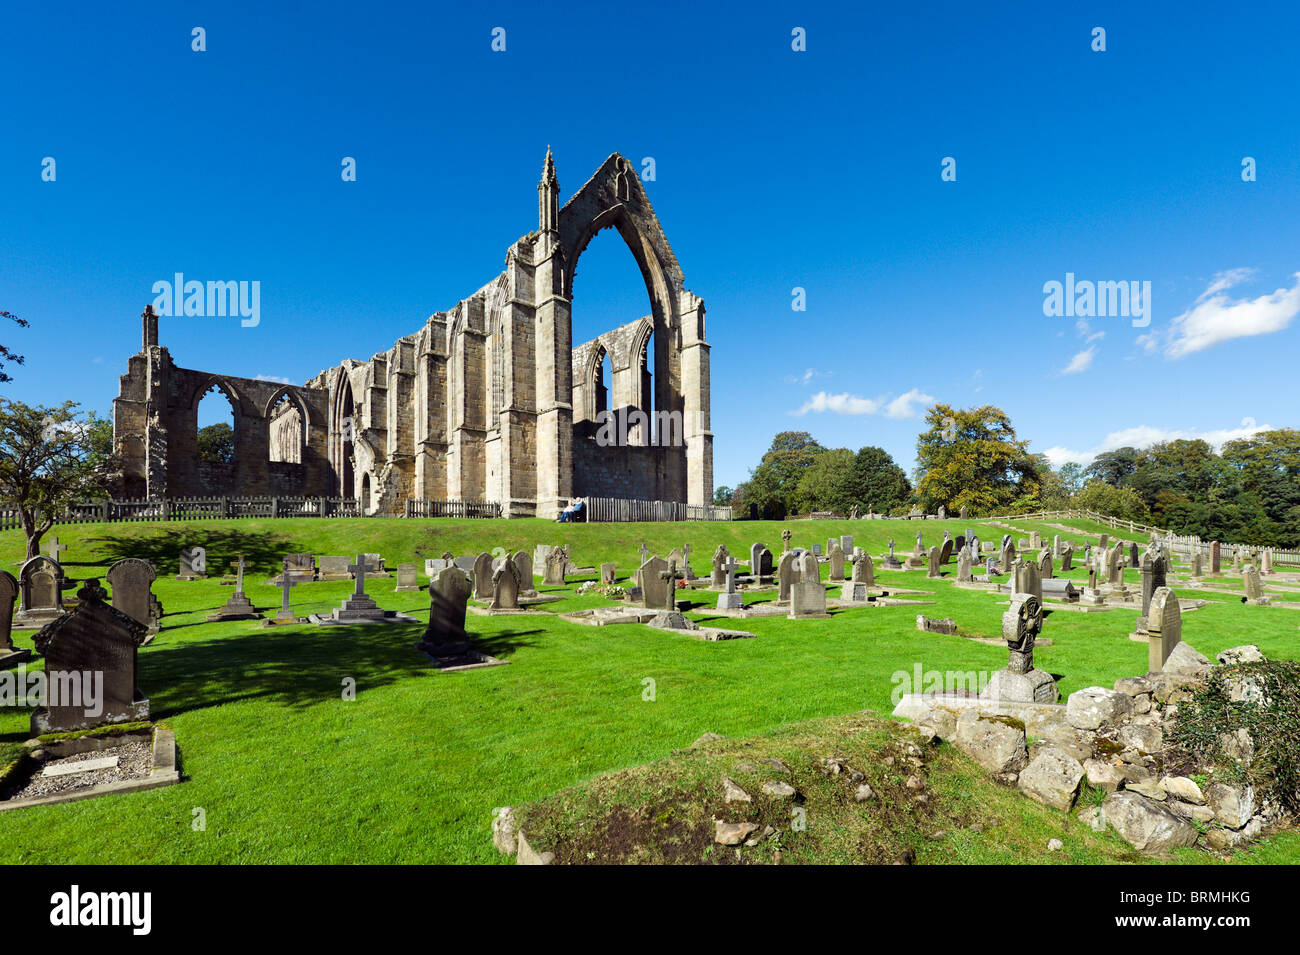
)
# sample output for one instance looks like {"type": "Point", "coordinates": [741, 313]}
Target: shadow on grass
{"type": "Point", "coordinates": [263, 552]}
{"type": "Point", "coordinates": [298, 667]}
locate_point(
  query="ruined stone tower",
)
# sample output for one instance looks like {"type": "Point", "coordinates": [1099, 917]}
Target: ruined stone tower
{"type": "Point", "coordinates": [488, 401]}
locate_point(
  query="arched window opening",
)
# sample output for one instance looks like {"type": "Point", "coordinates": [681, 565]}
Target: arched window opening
{"type": "Point", "coordinates": [288, 430]}
{"type": "Point", "coordinates": [215, 424]}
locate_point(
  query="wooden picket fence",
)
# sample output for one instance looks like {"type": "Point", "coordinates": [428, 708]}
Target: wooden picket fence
{"type": "Point", "coordinates": [424, 508]}
{"type": "Point", "coordinates": [195, 509]}
{"type": "Point", "coordinates": [611, 509]}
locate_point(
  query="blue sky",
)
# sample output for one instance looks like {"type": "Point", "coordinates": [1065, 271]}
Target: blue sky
{"type": "Point", "coordinates": [775, 169]}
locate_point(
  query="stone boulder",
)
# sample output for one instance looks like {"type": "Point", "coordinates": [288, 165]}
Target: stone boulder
{"type": "Point", "coordinates": [1243, 654]}
{"type": "Point", "coordinates": [996, 744]}
{"type": "Point", "coordinates": [1052, 778]}
{"type": "Point", "coordinates": [1233, 805]}
{"type": "Point", "coordinates": [1096, 706]}
{"type": "Point", "coordinates": [1145, 825]}
{"type": "Point", "coordinates": [1185, 659]}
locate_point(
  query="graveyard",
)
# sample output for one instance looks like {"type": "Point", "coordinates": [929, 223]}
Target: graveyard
{"type": "Point", "coordinates": [304, 733]}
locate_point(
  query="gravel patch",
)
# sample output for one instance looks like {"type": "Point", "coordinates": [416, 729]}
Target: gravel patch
{"type": "Point", "coordinates": [134, 760]}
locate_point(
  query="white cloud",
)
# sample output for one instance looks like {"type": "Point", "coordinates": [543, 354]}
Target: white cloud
{"type": "Point", "coordinates": [278, 380]}
{"type": "Point", "coordinates": [806, 376]}
{"type": "Point", "coordinates": [1216, 318]}
{"type": "Point", "coordinates": [1143, 436]}
{"type": "Point", "coordinates": [1081, 361]}
{"type": "Point", "coordinates": [903, 406]}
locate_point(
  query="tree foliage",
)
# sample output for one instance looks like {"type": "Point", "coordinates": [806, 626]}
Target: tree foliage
{"type": "Point", "coordinates": [47, 462]}
{"type": "Point", "coordinates": [5, 354]}
{"type": "Point", "coordinates": [217, 443]}
{"type": "Point", "coordinates": [972, 458]}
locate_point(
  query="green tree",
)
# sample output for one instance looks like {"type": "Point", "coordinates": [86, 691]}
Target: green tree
{"type": "Point", "coordinates": [5, 353]}
{"type": "Point", "coordinates": [1122, 502]}
{"type": "Point", "coordinates": [722, 496]}
{"type": "Point", "coordinates": [1112, 466]}
{"type": "Point", "coordinates": [877, 483]}
{"type": "Point", "coordinates": [46, 464]}
{"type": "Point", "coordinates": [972, 458]}
{"type": "Point", "coordinates": [773, 486]}
{"type": "Point", "coordinates": [825, 484]}
{"type": "Point", "coordinates": [217, 443]}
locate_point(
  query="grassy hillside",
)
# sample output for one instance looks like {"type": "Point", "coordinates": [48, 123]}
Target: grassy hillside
{"type": "Point", "coordinates": [287, 771]}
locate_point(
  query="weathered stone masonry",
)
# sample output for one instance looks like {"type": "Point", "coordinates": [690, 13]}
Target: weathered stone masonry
{"type": "Point", "coordinates": [488, 401]}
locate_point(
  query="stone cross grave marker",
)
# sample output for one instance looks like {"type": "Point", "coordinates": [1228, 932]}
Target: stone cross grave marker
{"type": "Point", "coordinates": [54, 550]}
{"type": "Point", "coordinates": [730, 599]}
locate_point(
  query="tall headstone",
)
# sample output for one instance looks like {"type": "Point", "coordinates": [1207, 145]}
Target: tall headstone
{"type": "Point", "coordinates": [808, 595]}
{"type": "Point", "coordinates": [1164, 627]}
{"type": "Point", "coordinates": [40, 590]}
{"type": "Point", "coordinates": [846, 544]}
{"type": "Point", "coordinates": [718, 575]}
{"type": "Point", "coordinates": [54, 550]}
{"type": "Point", "coordinates": [654, 587]}
{"type": "Point", "coordinates": [963, 565]}
{"type": "Point", "coordinates": [92, 638]}
{"type": "Point", "coordinates": [1216, 560]}
{"type": "Point", "coordinates": [730, 599]}
{"type": "Point", "coordinates": [787, 572]}
{"type": "Point", "coordinates": [1045, 565]}
{"type": "Point", "coordinates": [505, 587]}
{"type": "Point", "coordinates": [285, 614]}
{"type": "Point", "coordinates": [131, 579]}
{"type": "Point", "coordinates": [836, 555]}
{"type": "Point", "coordinates": [1253, 585]}
{"type": "Point", "coordinates": [1197, 569]}
{"type": "Point", "coordinates": [445, 636]}
{"type": "Point", "coordinates": [1067, 557]}
{"type": "Point", "coordinates": [9, 654]}
{"type": "Point", "coordinates": [1134, 556]}
{"type": "Point", "coordinates": [524, 568]}
{"type": "Point", "coordinates": [1153, 577]}
{"type": "Point", "coordinates": [483, 576]}
{"type": "Point", "coordinates": [933, 570]}
{"type": "Point", "coordinates": [1266, 560]}
{"type": "Point", "coordinates": [1104, 541]}
{"type": "Point", "coordinates": [557, 559]}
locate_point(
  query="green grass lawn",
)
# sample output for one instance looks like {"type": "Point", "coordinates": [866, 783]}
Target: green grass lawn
{"type": "Point", "coordinates": [286, 770]}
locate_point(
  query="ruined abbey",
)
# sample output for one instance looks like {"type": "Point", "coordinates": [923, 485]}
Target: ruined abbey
{"type": "Point", "coordinates": [488, 401]}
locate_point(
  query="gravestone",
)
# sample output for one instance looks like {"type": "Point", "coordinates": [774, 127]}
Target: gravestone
{"type": "Point", "coordinates": [408, 577]}
{"type": "Point", "coordinates": [194, 564]}
{"type": "Point", "coordinates": [302, 567]}
{"type": "Point", "coordinates": [718, 576]}
{"type": "Point", "coordinates": [285, 614]}
{"type": "Point", "coordinates": [934, 570]}
{"type": "Point", "coordinates": [1266, 561]}
{"type": "Point", "coordinates": [434, 564]}
{"type": "Point", "coordinates": [131, 580]}
{"type": "Point", "coordinates": [1060, 588]}
{"type": "Point", "coordinates": [359, 608]}
{"type": "Point", "coordinates": [1035, 540]}
{"type": "Point", "coordinates": [524, 568]}
{"type": "Point", "coordinates": [557, 559]}
{"type": "Point", "coordinates": [807, 595]}
{"type": "Point", "coordinates": [40, 591]}
{"type": "Point", "coordinates": [1067, 557]}
{"type": "Point", "coordinates": [837, 562]}
{"type": "Point", "coordinates": [54, 550]}
{"type": "Point", "coordinates": [608, 573]}
{"type": "Point", "coordinates": [786, 574]}
{"type": "Point", "coordinates": [1196, 563]}
{"type": "Point", "coordinates": [1104, 541]}
{"type": "Point", "coordinates": [846, 544]}
{"type": "Point", "coordinates": [1056, 546]}
{"type": "Point", "coordinates": [333, 567]}
{"type": "Point", "coordinates": [786, 537]}
{"type": "Point", "coordinates": [945, 551]}
{"type": "Point", "coordinates": [505, 588]}
{"type": "Point", "coordinates": [655, 588]}
{"type": "Point", "coordinates": [1153, 577]}
{"type": "Point", "coordinates": [1164, 627]}
{"type": "Point", "coordinates": [863, 576]}
{"type": "Point", "coordinates": [1134, 556]}
{"type": "Point", "coordinates": [238, 607]}
{"type": "Point", "coordinates": [9, 654]}
{"type": "Point", "coordinates": [1020, 681]}
{"type": "Point", "coordinates": [445, 636]}
{"type": "Point", "coordinates": [1025, 579]}
{"type": "Point", "coordinates": [943, 513]}
{"type": "Point", "coordinates": [1253, 586]}
{"type": "Point", "coordinates": [730, 599]}
{"type": "Point", "coordinates": [482, 576]}
{"type": "Point", "coordinates": [891, 562]}
{"type": "Point", "coordinates": [762, 573]}
{"type": "Point", "coordinates": [963, 565]}
{"type": "Point", "coordinates": [1045, 565]}
{"type": "Point", "coordinates": [93, 638]}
